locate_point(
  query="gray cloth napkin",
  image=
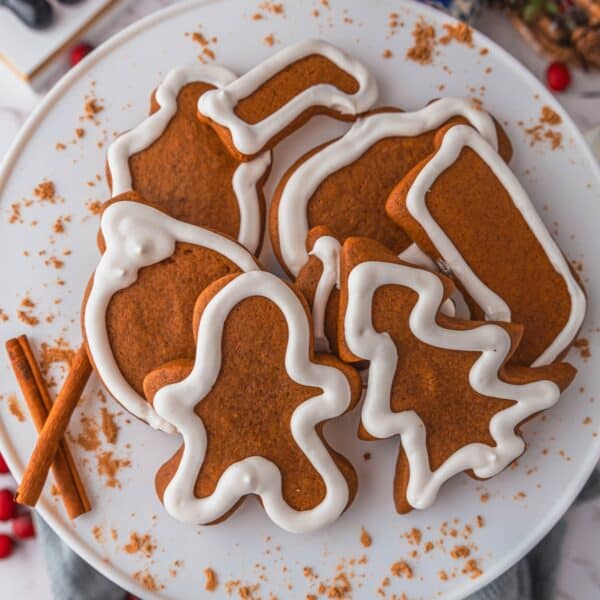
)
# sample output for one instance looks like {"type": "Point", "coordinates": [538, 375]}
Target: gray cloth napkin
{"type": "Point", "coordinates": [533, 578]}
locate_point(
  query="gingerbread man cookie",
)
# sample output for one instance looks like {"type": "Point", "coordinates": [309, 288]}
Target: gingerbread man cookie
{"type": "Point", "coordinates": [138, 307]}
{"type": "Point", "coordinates": [251, 410]}
{"type": "Point", "coordinates": [466, 209]}
{"type": "Point", "coordinates": [180, 165]}
{"type": "Point", "coordinates": [441, 384]}
{"type": "Point", "coordinates": [254, 112]}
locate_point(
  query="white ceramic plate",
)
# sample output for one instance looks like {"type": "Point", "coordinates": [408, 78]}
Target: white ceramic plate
{"type": "Point", "coordinates": [524, 502]}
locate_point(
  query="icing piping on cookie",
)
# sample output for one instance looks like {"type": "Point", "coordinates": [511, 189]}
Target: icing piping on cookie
{"type": "Point", "coordinates": [219, 105]}
{"type": "Point", "coordinates": [495, 308]}
{"type": "Point", "coordinates": [150, 129]}
{"type": "Point", "coordinates": [291, 216]}
{"type": "Point", "coordinates": [138, 236]}
{"type": "Point", "coordinates": [455, 306]}
{"type": "Point", "coordinates": [254, 475]}
{"type": "Point", "coordinates": [327, 250]}
{"type": "Point", "coordinates": [490, 340]}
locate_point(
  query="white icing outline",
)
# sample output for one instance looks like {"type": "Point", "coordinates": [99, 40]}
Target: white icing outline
{"type": "Point", "coordinates": [454, 141]}
{"type": "Point", "coordinates": [254, 475]}
{"type": "Point", "coordinates": [292, 222]}
{"type": "Point", "coordinates": [327, 250]}
{"type": "Point", "coordinates": [378, 347]}
{"type": "Point", "coordinates": [219, 105]}
{"type": "Point", "coordinates": [246, 176]}
{"type": "Point", "coordinates": [137, 236]}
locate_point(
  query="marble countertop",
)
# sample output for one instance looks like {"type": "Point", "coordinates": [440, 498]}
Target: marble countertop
{"type": "Point", "coordinates": [579, 576]}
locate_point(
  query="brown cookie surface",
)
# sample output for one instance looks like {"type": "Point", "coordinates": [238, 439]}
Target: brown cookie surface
{"type": "Point", "coordinates": [249, 408]}
{"type": "Point", "coordinates": [279, 95]}
{"type": "Point", "coordinates": [433, 381]}
{"type": "Point", "coordinates": [188, 172]}
{"type": "Point", "coordinates": [499, 237]}
{"type": "Point", "coordinates": [345, 190]}
{"type": "Point", "coordinates": [146, 322]}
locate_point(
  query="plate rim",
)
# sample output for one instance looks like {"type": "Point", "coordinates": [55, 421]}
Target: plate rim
{"type": "Point", "coordinates": [64, 530]}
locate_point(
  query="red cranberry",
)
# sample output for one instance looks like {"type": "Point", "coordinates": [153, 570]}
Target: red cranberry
{"type": "Point", "coordinates": [3, 466]}
{"type": "Point", "coordinates": [558, 76]}
{"type": "Point", "coordinates": [6, 546]}
{"type": "Point", "coordinates": [79, 52]}
{"type": "Point", "coordinates": [7, 505]}
{"type": "Point", "coordinates": [22, 527]}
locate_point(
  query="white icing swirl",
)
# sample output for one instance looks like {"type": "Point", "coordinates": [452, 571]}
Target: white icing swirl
{"type": "Point", "coordinates": [219, 105]}
{"type": "Point", "coordinates": [490, 340]}
{"type": "Point", "coordinates": [150, 129]}
{"type": "Point", "coordinates": [137, 236]}
{"type": "Point", "coordinates": [495, 308]}
{"type": "Point", "coordinates": [255, 475]}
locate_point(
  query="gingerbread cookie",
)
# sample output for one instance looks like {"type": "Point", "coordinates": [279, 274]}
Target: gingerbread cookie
{"type": "Point", "coordinates": [251, 410]}
{"type": "Point", "coordinates": [343, 185]}
{"type": "Point", "coordinates": [256, 111]}
{"type": "Point", "coordinates": [466, 209]}
{"type": "Point", "coordinates": [180, 165]}
{"type": "Point", "coordinates": [442, 384]}
{"type": "Point", "coordinates": [319, 282]}
{"type": "Point", "coordinates": [137, 311]}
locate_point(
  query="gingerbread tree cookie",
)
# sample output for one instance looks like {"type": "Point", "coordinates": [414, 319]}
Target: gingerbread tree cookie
{"type": "Point", "coordinates": [440, 383]}
{"type": "Point", "coordinates": [251, 410]}
{"type": "Point", "coordinates": [180, 165]}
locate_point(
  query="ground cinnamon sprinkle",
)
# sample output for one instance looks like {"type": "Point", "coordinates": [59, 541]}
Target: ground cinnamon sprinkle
{"type": "Point", "coordinates": [341, 586]}
{"type": "Point", "coordinates": [387, 54]}
{"type": "Point", "coordinates": [424, 42]}
{"type": "Point", "coordinates": [91, 107]}
{"type": "Point", "coordinates": [269, 40]}
{"type": "Point", "coordinates": [94, 207]}
{"type": "Point", "coordinates": [98, 534]}
{"type": "Point", "coordinates": [45, 190]}
{"type": "Point", "coordinates": [109, 467]}
{"type": "Point", "coordinates": [143, 544]}
{"type": "Point", "coordinates": [25, 313]}
{"type": "Point", "coordinates": [109, 428]}
{"type": "Point", "coordinates": [3, 316]}
{"type": "Point", "coordinates": [414, 536]}
{"type": "Point", "coordinates": [59, 226]}
{"type": "Point", "coordinates": [145, 579]}
{"type": "Point", "coordinates": [549, 116]}
{"type": "Point", "coordinates": [555, 138]}
{"type": "Point", "coordinates": [210, 580]}
{"type": "Point", "coordinates": [273, 8]}
{"type": "Point", "coordinates": [401, 569]}
{"type": "Point", "coordinates": [583, 345]}
{"type": "Point", "coordinates": [88, 437]}
{"type": "Point", "coordinates": [472, 569]}
{"type": "Point", "coordinates": [15, 408]}
{"type": "Point", "coordinates": [61, 352]}
{"type": "Point", "coordinates": [460, 33]}
{"type": "Point", "coordinates": [79, 132]}
{"type": "Point", "coordinates": [365, 539]}
{"type": "Point", "coordinates": [460, 552]}
{"type": "Point", "coordinates": [208, 53]}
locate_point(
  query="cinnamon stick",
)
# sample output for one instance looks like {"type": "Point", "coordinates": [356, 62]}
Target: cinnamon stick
{"type": "Point", "coordinates": [51, 421]}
